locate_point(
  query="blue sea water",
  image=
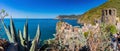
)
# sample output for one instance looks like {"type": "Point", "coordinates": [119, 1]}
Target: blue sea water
{"type": "Point", "coordinates": [47, 27]}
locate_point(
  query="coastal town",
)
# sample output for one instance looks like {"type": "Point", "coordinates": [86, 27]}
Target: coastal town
{"type": "Point", "coordinates": [103, 36]}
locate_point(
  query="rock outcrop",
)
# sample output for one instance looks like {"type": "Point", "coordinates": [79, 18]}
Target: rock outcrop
{"type": "Point", "coordinates": [3, 44]}
{"type": "Point", "coordinates": [68, 37]}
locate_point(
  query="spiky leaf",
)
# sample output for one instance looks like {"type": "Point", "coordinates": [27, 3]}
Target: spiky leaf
{"type": "Point", "coordinates": [7, 32]}
{"type": "Point", "coordinates": [35, 40]}
{"type": "Point", "coordinates": [34, 45]}
{"type": "Point", "coordinates": [21, 38]}
{"type": "Point", "coordinates": [12, 30]}
{"type": "Point", "coordinates": [25, 31]}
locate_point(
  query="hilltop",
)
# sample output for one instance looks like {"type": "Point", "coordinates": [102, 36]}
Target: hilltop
{"type": "Point", "coordinates": [68, 16]}
{"type": "Point", "coordinates": [95, 13]}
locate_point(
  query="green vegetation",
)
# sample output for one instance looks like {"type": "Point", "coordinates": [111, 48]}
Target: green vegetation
{"type": "Point", "coordinates": [111, 28]}
{"type": "Point", "coordinates": [86, 34]}
{"type": "Point", "coordinates": [49, 41]}
{"type": "Point", "coordinates": [3, 14]}
{"type": "Point", "coordinates": [24, 43]}
{"type": "Point", "coordinates": [59, 25]}
{"type": "Point", "coordinates": [95, 13]}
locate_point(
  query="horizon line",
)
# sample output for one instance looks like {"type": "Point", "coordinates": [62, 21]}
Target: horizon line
{"type": "Point", "coordinates": [27, 18]}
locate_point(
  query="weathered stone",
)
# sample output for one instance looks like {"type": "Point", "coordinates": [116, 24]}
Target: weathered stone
{"type": "Point", "coordinates": [109, 16]}
{"type": "Point", "coordinates": [1, 48]}
{"type": "Point", "coordinates": [3, 44]}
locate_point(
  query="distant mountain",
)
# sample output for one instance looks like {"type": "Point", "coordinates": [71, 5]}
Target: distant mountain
{"type": "Point", "coordinates": [95, 13]}
{"type": "Point", "coordinates": [68, 17]}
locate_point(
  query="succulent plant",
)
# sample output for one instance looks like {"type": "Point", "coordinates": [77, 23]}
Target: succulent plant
{"type": "Point", "coordinates": [10, 32]}
{"type": "Point", "coordinates": [35, 40]}
{"type": "Point", "coordinates": [22, 39]}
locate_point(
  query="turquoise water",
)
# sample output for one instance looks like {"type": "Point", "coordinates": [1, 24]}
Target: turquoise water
{"type": "Point", "coordinates": [47, 27]}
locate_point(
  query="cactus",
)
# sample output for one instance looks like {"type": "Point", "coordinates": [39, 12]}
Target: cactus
{"type": "Point", "coordinates": [22, 39]}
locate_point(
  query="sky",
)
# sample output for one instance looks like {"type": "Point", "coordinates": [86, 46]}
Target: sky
{"type": "Point", "coordinates": [47, 8]}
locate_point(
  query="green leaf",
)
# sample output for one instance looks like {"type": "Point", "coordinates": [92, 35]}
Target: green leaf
{"type": "Point", "coordinates": [21, 38]}
{"type": "Point", "coordinates": [3, 11]}
{"type": "Point", "coordinates": [35, 40]}
{"type": "Point", "coordinates": [12, 30]}
{"type": "Point", "coordinates": [7, 32]}
{"type": "Point", "coordinates": [25, 31]}
{"type": "Point", "coordinates": [34, 45]}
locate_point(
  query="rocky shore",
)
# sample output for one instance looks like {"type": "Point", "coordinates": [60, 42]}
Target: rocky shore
{"type": "Point", "coordinates": [4, 44]}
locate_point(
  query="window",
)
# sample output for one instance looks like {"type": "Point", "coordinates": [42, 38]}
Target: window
{"type": "Point", "coordinates": [106, 12]}
{"type": "Point", "coordinates": [110, 12]}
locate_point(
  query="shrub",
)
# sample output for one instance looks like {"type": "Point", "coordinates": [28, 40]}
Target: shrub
{"type": "Point", "coordinates": [111, 28]}
{"type": "Point", "coordinates": [86, 34]}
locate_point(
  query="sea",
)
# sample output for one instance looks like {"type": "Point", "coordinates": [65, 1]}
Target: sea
{"type": "Point", "coordinates": [47, 27]}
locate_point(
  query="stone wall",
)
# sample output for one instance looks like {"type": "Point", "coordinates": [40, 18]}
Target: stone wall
{"type": "Point", "coordinates": [109, 16]}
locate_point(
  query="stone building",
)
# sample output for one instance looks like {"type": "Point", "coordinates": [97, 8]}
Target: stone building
{"type": "Point", "coordinates": [69, 36]}
{"type": "Point", "coordinates": [109, 16]}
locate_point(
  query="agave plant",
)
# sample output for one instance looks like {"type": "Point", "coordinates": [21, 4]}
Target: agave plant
{"type": "Point", "coordinates": [22, 39]}
{"type": "Point", "coordinates": [3, 14]}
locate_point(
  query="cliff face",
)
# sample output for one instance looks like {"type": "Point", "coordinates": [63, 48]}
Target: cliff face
{"type": "Point", "coordinates": [95, 13]}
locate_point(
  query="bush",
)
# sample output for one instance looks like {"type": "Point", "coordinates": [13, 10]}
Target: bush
{"type": "Point", "coordinates": [86, 34]}
{"type": "Point", "coordinates": [59, 24]}
{"type": "Point", "coordinates": [111, 28]}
